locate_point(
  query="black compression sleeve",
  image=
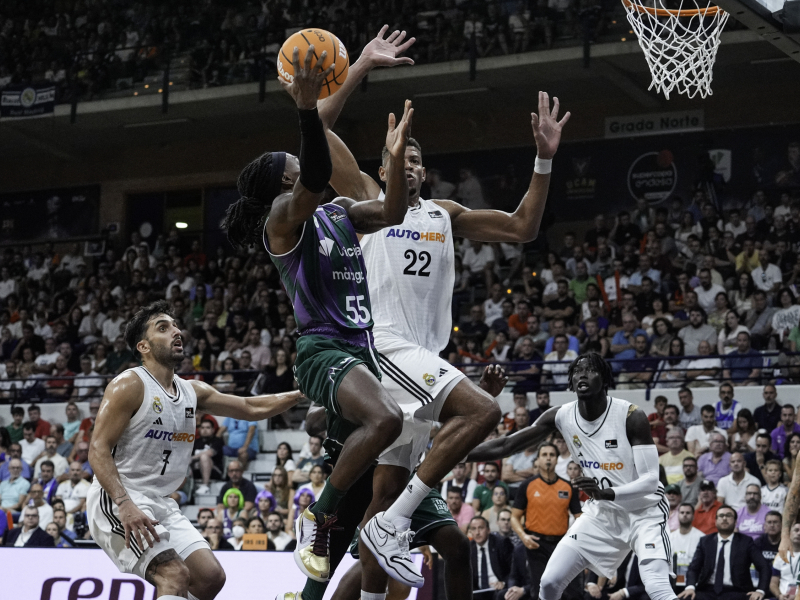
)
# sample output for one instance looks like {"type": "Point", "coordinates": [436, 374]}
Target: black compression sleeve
{"type": "Point", "coordinates": [315, 156]}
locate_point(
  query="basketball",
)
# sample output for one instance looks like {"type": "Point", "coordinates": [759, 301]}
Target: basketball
{"type": "Point", "coordinates": [323, 41]}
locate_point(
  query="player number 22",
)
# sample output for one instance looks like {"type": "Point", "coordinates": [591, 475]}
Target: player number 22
{"type": "Point", "coordinates": [424, 258]}
{"type": "Point", "coordinates": [358, 312]}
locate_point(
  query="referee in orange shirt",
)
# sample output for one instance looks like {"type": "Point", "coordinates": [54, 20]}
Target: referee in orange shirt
{"type": "Point", "coordinates": [545, 501]}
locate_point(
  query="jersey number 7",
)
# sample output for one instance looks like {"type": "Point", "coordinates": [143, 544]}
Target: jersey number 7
{"type": "Point", "coordinates": [166, 460]}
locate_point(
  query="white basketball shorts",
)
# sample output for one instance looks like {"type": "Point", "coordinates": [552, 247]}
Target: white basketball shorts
{"type": "Point", "coordinates": [419, 381]}
{"type": "Point", "coordinates": [604, 537]}
{"type": "Point", "coordinates": [174, 529]}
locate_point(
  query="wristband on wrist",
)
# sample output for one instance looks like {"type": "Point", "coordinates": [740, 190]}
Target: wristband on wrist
{"type": "Point", "coordinates": [543, 166]}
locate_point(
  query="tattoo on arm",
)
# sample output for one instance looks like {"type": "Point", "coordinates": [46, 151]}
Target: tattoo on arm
{"type": "Point", "coordinates": [160, 559]}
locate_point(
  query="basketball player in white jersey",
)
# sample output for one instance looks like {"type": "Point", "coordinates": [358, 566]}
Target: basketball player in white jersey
{"type": "Point", "coordinates": [611, 440]}
{"type": "Point", "coordinates": [410, 273]}
{"type": "Point", "coordinates": [140, 451]}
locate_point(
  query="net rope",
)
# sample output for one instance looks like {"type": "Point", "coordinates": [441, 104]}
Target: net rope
{"type": "Point", "coordinates": [680, 45]}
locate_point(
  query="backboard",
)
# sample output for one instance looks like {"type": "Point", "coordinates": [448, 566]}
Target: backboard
{"type": "Point", "coordinates": [776, 21]}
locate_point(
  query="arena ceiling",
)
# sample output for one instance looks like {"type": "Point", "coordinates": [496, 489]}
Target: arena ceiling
{"type": "Point", "coordinates": [754, 84]}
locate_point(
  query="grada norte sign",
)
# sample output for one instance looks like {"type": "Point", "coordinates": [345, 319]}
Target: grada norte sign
{"type": "Point", "coordinates": [655, 124]}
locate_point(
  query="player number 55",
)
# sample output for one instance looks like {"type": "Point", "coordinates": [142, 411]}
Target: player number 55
{"type": "Point", "coordinates": [358, 312]}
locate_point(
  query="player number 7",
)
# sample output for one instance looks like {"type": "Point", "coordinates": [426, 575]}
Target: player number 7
{"type": "Point", "coordinates": [166, 460]}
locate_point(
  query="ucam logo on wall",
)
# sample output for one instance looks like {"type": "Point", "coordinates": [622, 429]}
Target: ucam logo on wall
{"type": "Point", "coordinates": [66, 574]}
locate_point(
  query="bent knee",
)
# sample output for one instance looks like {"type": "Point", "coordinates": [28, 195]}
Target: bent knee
{"type": "Point", "coordinates": [456, 551]}
{"type": "Point", "coordinates": [389, 423]}
{"type": "Point", "coordinates": [550, 587]}
{"type": "Point", "coordinates": [173, 576]}
{"type": "Point", "coordinates": [213, 578]}
{"type": "Point", "coordinates": [489, 415]}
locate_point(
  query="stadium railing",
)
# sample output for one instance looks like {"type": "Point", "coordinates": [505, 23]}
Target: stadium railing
{"type": "Point", "coordinates": [774, 365]}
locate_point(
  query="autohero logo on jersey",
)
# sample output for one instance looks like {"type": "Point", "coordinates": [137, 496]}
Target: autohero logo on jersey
{"type": "Point", "coordinates": [170, 436]}
{"type": "Point", "coordinates": [424, 236]}
{"type": "Point", "coordinates": [607, 466]}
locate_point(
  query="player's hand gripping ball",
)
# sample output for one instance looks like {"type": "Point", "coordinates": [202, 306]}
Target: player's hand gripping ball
{"type": "Point", "coordinates": [322, 41]}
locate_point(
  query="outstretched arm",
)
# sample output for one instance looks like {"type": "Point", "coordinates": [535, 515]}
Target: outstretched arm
{"type": "Point", "coordinates": [255, 408]}
{"type": "Point", "coordinates": [511, 444]}
{"type": "Point", "coordinates": [379, 52]}
{"type": "Point", "coordinates": [347, 178]}
{"type": "Point", "coordinates": [374, 215]}
{"type": "Point", "coordinates": [523, 224]}
{"type": "Point", "coordinates": [289, 213]}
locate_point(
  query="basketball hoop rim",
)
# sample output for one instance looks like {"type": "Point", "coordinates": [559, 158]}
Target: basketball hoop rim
{"type": "Point", "coordinates": [709, 11]}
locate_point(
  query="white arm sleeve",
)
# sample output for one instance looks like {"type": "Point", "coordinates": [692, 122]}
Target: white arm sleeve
{"type": "Point", "coordinates": [631, 495]}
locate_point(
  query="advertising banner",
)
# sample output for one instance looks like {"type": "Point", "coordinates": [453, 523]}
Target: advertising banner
{"type": "Point", "coordinates": [66, 574]}
{"type": "Point", "coordinates": [27, 100]}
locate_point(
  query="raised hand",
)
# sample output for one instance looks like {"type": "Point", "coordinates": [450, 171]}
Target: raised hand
{"type": "Point", "coordinates": [386, 52]}
{"type": "Point", "coordinates": [493, 380]}
{"type": "Point", "coordinates": [546, 126]}
{"type": "Point", "coordinates": [307, 82]}
{"type": "Point", "coordinates": [397, 136]}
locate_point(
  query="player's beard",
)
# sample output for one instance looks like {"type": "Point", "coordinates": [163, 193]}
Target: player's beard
{"type": "Point", "coordinates": [166, 356]}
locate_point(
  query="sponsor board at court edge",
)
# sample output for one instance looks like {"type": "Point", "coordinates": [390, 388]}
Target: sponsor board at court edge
{"type": "Point", "coordinates": [67, 574]}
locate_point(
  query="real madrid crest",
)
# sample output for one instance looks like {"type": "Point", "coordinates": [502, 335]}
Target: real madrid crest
{"type": "Point", "coordinates": [157, 406]}
{"type": "Point", "coordinates": [429, 379]}
{"type": "Point", "coordinates": [576, 441]}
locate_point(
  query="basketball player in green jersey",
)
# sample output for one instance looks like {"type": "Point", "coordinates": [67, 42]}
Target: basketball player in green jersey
{"type": "Point", "coordinates": [318, 256]}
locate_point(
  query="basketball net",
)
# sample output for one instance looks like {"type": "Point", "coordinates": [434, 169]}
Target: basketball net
{"type": "Point", "coordinates": [680, 45]}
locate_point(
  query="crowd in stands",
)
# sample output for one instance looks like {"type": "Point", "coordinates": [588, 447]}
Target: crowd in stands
{"type": "Point", "coordinates": [725, 470]}
{"type": "Point", "coordinates": [87, 47]}
{"type": "Point", "coordinates": [675, 295]}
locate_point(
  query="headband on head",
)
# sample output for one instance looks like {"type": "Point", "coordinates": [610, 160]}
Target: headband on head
{"type": "Point", "coordinates": [276, 177]}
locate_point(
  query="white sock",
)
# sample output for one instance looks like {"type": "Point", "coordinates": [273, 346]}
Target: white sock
{"type": "Point", "coordinates": [369, 596]}
{"type": "Point", "coordinates": [407, 503]}
{"type": "Point", "coordinates": [192, 596]}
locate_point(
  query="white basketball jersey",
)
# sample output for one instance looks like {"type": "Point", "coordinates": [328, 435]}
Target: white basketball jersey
{"type": "Point", "coordinates": [601, 447]}
{"type": "Point", "coordinates": [153, 454]}
{"type": "Point", "coordinates": [410, 274]}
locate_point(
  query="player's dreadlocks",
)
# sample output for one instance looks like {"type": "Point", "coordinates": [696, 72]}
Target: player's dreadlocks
{"type": "Point", "coordinates": [259, 183]}
{"type": "Point", "coordinates": [596, 362]}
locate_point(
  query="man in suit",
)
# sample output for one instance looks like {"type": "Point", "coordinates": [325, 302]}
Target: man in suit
{"type": "Point", "coordinates": [720, 569]}
{"type": "Point", "coordinates": [519, 584]}
{"type": "Point", "coordinates": [29, 535]}
{"type": "Point", "coordinates": [491, 556]}
{"type": "Point", "coordinates": [627, 584]}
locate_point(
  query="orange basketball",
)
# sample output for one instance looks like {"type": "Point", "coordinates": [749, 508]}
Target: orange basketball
{"type": "Point", "coordinates": [323, 41]}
